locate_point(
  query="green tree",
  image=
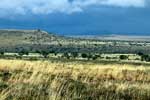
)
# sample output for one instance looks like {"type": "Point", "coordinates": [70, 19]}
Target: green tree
{"type": "Point", "coordinates": [44, 53]}
{"type": "Point", "coordinates": [74, 54]}
{"type": "Point", "coordinates": [23, 52]}
{"type": "Point", "coordinates": [84, 55]}
{"type": "Point", "coordinates": [38, 51]}
{"type": "Point", "coordinates": [123, 57]}
{"type": "Point", "coordinates": [94, 57]}
{"type": "Point", "coordinates": [66, 55]}
{"type": "Point", "coordinates": [145, 58]}
{"type": "Point", "coordinates": [140, 53]}
{"type": "Point", "coordinates": [1, 52]}
{"type": "Point", "coordinates": [90, 56]}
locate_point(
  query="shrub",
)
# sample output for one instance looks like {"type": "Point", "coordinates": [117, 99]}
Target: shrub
{"type": "Point", "coordinates": [1, 53]}
{"type": "Point", "coordinates": [23, 52]}
{"type": "Point", "coordinates": [108, 57]}
{"type": "Point", "coordinates": [145, 58]}
{"type": "Point", "coordinates": [66, 55]}
{"type": "Point", "coordinates": [94, 57]}
{"type": "Point", "coordinates": [44, 53]}
{"type": "Point", "coordinates": [84, 55]}
{"type": "Point", "coordinates": [33, 59]}
{"type": "Point", "coordinates": [90, 56]}
{"type": "Point", "coordinates": [74, 54]}
{"type": "Point", "coordinates": [140, 53]}
{"type": "Point", "coordinates": [123, 57]}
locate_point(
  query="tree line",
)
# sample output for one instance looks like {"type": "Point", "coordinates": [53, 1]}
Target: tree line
{"type": "Point", "coordinates": [74, 55]}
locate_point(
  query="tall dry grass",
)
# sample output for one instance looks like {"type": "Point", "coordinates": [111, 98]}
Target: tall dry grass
{"type": "Point", "coordinates": [51, 80]}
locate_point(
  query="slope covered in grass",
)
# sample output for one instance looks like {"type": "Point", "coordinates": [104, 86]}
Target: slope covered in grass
{"type": "Point", "coordinates": [54, 80]}
{"type": "Point", "coordinates": [38, 40]}
{"type": "Point", "coordinates": [20, 37]}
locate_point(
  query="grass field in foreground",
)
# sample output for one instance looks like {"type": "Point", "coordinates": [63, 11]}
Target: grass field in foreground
{"type": "Point", "coordinates": [54, 80]}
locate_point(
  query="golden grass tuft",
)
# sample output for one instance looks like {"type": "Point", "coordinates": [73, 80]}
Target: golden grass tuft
{"type": "Point", "coordinates": [51, 80]}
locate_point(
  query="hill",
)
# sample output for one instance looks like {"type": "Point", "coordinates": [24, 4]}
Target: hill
{"type": "Point", "coordinates": [16, 37]}
{"type": "Point", "coordinates": [32, 40]}
{"type": "Point", "coordinates": [38, 40]}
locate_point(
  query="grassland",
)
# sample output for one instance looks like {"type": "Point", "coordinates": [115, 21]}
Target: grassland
{"type": "Point", "coordinates": [60, 80]}
{"type": "Point", "coordinates": [35, 65]}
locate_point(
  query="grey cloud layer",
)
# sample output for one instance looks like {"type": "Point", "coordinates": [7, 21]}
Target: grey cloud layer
{"type": "Point", "coordinates": [12, 7]}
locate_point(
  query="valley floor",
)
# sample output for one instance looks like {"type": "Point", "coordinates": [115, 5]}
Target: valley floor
{"type": "Point", "coordinates": [67, 80]}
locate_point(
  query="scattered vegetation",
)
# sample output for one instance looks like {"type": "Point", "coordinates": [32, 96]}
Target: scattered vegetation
{"type": "Point", "coordinates": [123, 57]}
{"type": "Point", "coordinates": [35, 65]}
{"type": "Point", "coordinates": [44, 53]}
{"type": "Point", "coordinates": [47, 80]}
{"type": "Point", "coordinates": [38, 40]}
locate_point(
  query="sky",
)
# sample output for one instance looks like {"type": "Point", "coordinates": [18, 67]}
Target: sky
{"type": "Point", "coordinates": [76, 17]}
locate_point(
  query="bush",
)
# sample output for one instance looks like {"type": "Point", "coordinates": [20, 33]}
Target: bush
{"type": "Point", "coordinates": [108, 57]}
{"type": "Point", "coordinates": [84, 55]}
{"type": "Point", "coordinates": [1, 53]}
{"type": "Point", "coordinates": [90, 56]}
{"type": "Point", "coordinates": [44, 53]}
{"type": "Point", "coordinates": [33, 59]}
{"type": "Point", "coordinates": [140, 53]}
{"type": "Point", "coordinates": [95, 57]}
{"type": "Point", "coordinates": [74, 54]}
{"type": "Point", "coordinates": [123, 57]}
{"type": "Point", "coordinates": [145, 58]}
{"type": "Point", "coordinates": [23, 52]}
{"type": "Point", "coordinates": [66, 55]}
{"type": "Point", "coordinates": [18, 57]}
